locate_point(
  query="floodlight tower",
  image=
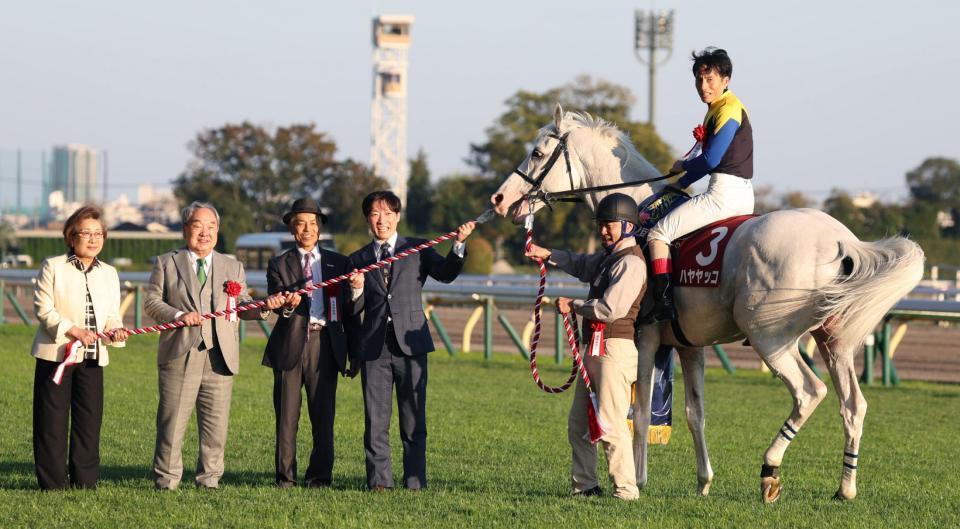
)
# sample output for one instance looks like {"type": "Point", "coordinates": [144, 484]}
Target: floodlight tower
{"type": "Point", "coordinates": [652, 32]}
{"type": "Point", "coordinates": [388, 112]}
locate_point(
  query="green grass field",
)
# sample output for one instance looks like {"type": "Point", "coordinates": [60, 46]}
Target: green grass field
{"type": "Point", "coordinates": [497, 457]}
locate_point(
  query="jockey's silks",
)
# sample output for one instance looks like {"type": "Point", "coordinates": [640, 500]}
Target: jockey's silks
{"type": "Point", "coordinates": [728, 144]}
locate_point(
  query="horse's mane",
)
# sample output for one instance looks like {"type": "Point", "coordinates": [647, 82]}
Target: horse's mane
{"type": "Point", "coordinates": [607, 130]}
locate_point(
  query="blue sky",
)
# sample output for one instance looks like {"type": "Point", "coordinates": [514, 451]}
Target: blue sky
{"type": "Point", "coordinates": [840, 94]}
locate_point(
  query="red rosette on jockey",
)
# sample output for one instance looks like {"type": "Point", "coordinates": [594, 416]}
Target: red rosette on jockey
{"type": "Point", "coordinates": [597, 342]}
{"type": "Point", "coordinates": [331, 292]}
{"type": "Point", "coordinates": [233, 289]}
{"type": "Point", "coordinates": [699, 134]}
{"type": "Point", "coordinates": [73, 356]}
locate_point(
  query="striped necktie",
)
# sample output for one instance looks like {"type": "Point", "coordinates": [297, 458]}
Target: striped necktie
{"type": "Point", "coordinates": [384, 255]}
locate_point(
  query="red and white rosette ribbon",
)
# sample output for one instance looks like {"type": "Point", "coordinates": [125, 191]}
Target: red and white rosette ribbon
{"type": "Point", "coordinates": [233, 290]}
{"type": "Point", "coordinates": [597, 342]}
{"type": "Point", "coordinates": [73, 357]}
{"type": "Point", "coordinates": [699, 133]}
{"type": "Point", "coordinates": [333, 312]}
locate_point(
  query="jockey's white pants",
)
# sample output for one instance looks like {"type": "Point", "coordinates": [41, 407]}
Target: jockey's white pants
{"type": "Point", "coordinates": [726, 196]}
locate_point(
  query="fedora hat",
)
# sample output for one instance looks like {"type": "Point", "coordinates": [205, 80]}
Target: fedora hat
{"type": "Point", "coordinates": [304, 205]}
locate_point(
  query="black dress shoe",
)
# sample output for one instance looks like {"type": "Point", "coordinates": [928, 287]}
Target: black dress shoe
{"type": "Point", "coordinates": [317, 484]}
{"type": "Point", "coordinates": [285, 484]}
{"type": "Point", "coordinates": [595, 491]}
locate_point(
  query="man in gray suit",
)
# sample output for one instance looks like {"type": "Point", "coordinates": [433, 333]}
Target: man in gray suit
{"type": "Point", "coordinates": [395, 339]}
{"type": "Point", "coordinates": [196, 363]}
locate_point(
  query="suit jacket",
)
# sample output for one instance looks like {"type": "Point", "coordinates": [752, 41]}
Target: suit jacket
{"type": "Point", "coordinates": [60, 302]}
{"type": "Point", "coordinates": [286, 342]}
{"type": "Point", "coordinates": [402, 300]}
{"type": "Point", "coordinates": [174, 287]}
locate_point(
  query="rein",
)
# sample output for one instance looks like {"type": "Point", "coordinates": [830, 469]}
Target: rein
{"type": "Point", "coordinates": [575, 195]}
{"type": "Point", "coordinates": [571, 195]}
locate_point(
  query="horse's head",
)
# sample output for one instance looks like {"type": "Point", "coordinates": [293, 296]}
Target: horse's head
{"type": "Point", "coordinates": [546, 168]}
{"type": "Point", "coordinates": [574, 152]}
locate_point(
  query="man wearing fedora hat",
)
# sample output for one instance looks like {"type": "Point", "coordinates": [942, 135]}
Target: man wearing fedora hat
{"type": "Point", "coordinates": [308, 346]}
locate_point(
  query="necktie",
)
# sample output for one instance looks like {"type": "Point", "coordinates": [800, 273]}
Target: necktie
{"type": "Point", "coordinates": [385, 254]}
{"type": "Point", "coordinates": [308, 277]}
{"type": "Point", "coordinates": [308, 268]}
{"type": "Point", "coordinates": [201, 271]}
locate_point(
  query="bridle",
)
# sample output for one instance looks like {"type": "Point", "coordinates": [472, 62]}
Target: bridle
{"type": "Point", "coordinates": [573, 194]}
{"type": "Point", "coordinates": [561, 148]}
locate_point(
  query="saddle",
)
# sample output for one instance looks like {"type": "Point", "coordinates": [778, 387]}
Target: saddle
{"type": "Point", "coordinates": [697, 256]}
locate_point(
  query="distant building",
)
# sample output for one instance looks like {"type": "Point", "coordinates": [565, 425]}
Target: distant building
{"type": "Point", "coordinates": [864, 199]}
{"type": "Point", "coordinates": [74, 170]}
{"type": "Point", "coordinates": [158, 206]}
{"type": "Point", "coordinates": [121, 211]}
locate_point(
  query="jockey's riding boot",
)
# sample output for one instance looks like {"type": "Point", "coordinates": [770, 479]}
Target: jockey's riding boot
{"type": "Point", "coordinates": [663, 308]}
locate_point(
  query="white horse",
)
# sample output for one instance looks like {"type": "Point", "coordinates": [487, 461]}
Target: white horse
{"type": "Point", "coordinates": [783, 274]}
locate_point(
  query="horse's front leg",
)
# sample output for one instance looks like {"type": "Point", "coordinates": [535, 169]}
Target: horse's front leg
{"type": "Point", "coordinates": [692, 363]}
{"type": "Point", "coordinates": [648, 341]}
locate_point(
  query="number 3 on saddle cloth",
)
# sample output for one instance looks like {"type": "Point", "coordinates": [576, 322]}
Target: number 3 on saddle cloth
{"type": "Point", "coordinates": [699, 258]}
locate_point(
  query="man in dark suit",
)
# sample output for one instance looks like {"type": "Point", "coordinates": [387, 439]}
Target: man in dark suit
{"type": "Point", "coordinates": [395, 339]}
{"type": "Point", "coordinates": [308, 345]}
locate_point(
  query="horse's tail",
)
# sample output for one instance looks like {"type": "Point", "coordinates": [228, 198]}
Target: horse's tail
{"type": "Point", "coordinates": [874, 276]}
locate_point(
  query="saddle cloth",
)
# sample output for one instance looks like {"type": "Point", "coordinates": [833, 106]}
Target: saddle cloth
{"type": "Point", "coordinates": [698, 257]}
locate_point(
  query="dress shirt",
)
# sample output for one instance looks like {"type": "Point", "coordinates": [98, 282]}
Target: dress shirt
{"type": "Point", "coordinates": [207, 267]}
{"type": "Point", "coordinates": [318, 313]}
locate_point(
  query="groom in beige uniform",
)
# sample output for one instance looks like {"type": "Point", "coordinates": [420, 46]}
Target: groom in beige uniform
{"type": "Point", "coordinates": [196, 363]}
{"type": "Point", "coordinates": [617, 278]}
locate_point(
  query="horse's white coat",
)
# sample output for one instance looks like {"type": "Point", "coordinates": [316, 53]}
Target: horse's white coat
{"type": "Point", "coordinates": [784, 274]}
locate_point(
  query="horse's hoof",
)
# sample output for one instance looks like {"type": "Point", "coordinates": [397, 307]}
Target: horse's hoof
{"type": "Point", "coordinates": [840, 496]}
{"type": "Point", "coordinates": [770, 489]}
{"type": "Point", "coordinates": [703, 486]}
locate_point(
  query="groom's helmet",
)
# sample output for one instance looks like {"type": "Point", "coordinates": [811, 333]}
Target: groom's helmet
{"type": "Point", "coordinates": [617, 206]}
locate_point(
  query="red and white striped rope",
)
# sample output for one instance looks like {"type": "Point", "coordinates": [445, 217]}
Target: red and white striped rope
{"type": "Point", "coordinates": [569, 325]}
{"type": "Point", "coordinates": [309, 288]}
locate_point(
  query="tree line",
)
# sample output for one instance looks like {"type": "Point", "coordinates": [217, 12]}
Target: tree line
{"type": "Point", "coordinates": [252, 174]}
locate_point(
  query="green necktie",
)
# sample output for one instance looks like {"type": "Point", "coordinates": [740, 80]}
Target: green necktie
{"type": "Point", "coordinates": [201, 271]}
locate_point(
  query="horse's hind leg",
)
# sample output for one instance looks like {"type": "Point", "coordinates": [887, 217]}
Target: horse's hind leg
{"type": "Point", "coordinates": [807, 391]}
{"type": "Point", "coordinates": [692, 362]}
{"type": "Point", "coordinates": [853, 407]}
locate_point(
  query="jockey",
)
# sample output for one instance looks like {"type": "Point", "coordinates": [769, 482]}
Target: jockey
{"type": "Point", "coordinates": [727, 157]}
{"type": "Point", "coordinates": [617, 278]}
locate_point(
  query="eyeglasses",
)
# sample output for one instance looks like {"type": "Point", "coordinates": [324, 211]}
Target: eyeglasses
{"type": "Point", "coordinates": [90, 234]}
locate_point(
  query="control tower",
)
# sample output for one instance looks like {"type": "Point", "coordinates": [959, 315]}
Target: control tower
{"type": "Point", "coordinates": [388, 111]}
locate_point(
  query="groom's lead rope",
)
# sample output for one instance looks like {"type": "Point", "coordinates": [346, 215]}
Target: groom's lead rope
{"type": "Point", "coordinates": [71, 358]}
{"type": "Point", "coordinates": [595, 428]}
{"type": "Point", "coordinates": [569, 325]}
{"type": "Point", "coordinates": [537, 325]}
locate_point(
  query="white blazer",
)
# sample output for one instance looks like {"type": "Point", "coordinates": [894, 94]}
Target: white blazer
{"type": "Point", "coordinates": [60, 299]}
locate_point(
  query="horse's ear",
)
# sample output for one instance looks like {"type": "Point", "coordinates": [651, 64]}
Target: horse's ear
{"type": "Point", "coordinates": [557, 117]}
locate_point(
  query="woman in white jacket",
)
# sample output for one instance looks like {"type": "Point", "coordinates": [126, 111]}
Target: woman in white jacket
{"type": "Point", "coordinates": [76, 296]}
